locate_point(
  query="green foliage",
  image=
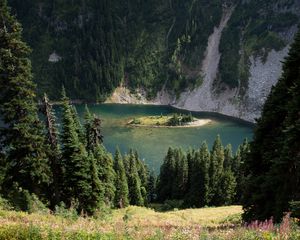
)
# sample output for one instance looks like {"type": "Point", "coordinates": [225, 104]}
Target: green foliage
{"type": "Point", "coordinates": [134, 182]}
{"type": "Point", "coordinates": [201, 177]}
{"type": "Point", "coordinates": [122, 192]}
{"type": "Point", "coordinates": [182, 119]}
{"type": "Point", "coordinates": [22, 200]}
{"type": "Point", "coordinates": [64, 212]}
{"type": "Point", "coordinates": [198, 192]}
{"type": "Point", "coordinates": [23, 146]}
{"type": "Point", "coordinates": [151, 188]}
{"type": "Point", "coordinates": [103, 160]}
{"type": "Point", "coordinates": [106, 173]}
{"type": "Point", "coordinates": [78, 184]}
{"type": "Point", "coordinates": [271, 167]}
{"type": "Point", "coordinates": [5, 204]}
{"type": "Point", "coordinates": [215, 171]}
{"type": "Point", "coordinates": [54, 152]}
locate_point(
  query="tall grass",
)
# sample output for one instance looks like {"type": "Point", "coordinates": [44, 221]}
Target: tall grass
{"type": "Point", "coordinates": [223, 223]}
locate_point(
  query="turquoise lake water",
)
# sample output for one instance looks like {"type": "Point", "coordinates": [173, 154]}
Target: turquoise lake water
{"type": "Point", "coordinates": [152, 143]}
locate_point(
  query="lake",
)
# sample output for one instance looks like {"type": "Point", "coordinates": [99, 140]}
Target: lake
{"type": "Point", "coordinates": [152, 143]}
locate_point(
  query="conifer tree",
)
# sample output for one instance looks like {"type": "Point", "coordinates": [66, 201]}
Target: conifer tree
{"type": "Point", "coordinates": [104, 161]}
{"type": "Point", "coordinates": [106, 173]}
{"type": "Point", "coordinates": [181, 175]}
{"type": "Point", "coordinates": [152, 187]}
{"type": "Point", "coordinates": [76, 162]}
{"type": "Point", "coordinates": [143, 175]}
{"type": "Point", "coordinates": [122, 192]}
{"type": "Point", "coordinates": [166, 177]}
{"type": "Point", "coordinates": [142, 170]}
{"type": "Point", "coordinates": [228, 158]}
{"type": "Point", "coordinates": [239, 174]}
{"type": "Point", "coordinates": [198, 191]}
{"type": "Point", "coordinates": [54, 153]}
{"type": "Point", "coordinates": [134, 182]}
{"type": "Point", "coordinates": [215, 170]}
{"type": "Point", "coordinates": [190, 156]}
{"type": "Point", "coordinates": [22, 138]}
{"type": "Point", "coordinates": [78, 125]}
{"type": "Point", "coordinates": [92, 126]}
{"type": "Point", "coordinates": [95, 199]}
{"type": "Point", "coordinates": [204, 166]}
{"type": "Point", "coordinates": [226, 189]}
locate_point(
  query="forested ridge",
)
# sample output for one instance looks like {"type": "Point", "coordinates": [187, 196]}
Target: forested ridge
{"type": "Point", "coordinates": [92, 47]}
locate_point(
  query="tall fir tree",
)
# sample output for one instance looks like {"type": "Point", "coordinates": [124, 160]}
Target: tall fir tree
{"type": "Point", "coordinates": [199, 179]}
{"type": "Point", "coordinates": [227, 188]}
{"type": "Point", "coordinates": [272, 167]}
{"type": "Point", "coordinates": [151, 188]}
{"type": "Point", "coordinates": [22, 137]}
{"type": "Point", "coordinates": [143, 175]}
{"type": "Point", "coordinates": [166, 177]}
{"type": "Point", "coordinates": [181, 175]}
{"type": "Point", "coordinates": [78, 125]}
{"type": "Point", "coordinates": [93, 133]}
{"type": "Point", "coordinates": [95, 199]}
{"type": "Point", "coordinates": [54, 152]}
{"type": "Point", "coordinates": [228, 157]}
{"type": "Point", "coordinates": [106, 173]}
{"type": "Point", "coordinates": [134, 182]}
{"type": "Point", "coordinates": [122, 192]}
{"type": "Point", "coordinates": [104, 161]}
{"type": "Point", "coordinates": [76, 163]}
{"type": "Point", "coordinates": [215, 170]}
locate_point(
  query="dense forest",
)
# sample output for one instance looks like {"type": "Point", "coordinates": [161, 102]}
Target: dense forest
{"type": "Point", "coordinates": [40, 165]}
{"type": "Point", "coordinates": [92, 47]}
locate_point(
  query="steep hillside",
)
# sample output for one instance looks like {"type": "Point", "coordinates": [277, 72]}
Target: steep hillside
{"type": "Point", "coordinates": [221, 55]}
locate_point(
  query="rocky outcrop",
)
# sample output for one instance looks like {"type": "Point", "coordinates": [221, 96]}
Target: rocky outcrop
{"type": "Point", "coordinates": [263, 75]}
{"type": "Point", "coordinates": [202, 98]}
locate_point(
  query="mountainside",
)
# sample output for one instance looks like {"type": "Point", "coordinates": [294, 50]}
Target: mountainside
{"type": "Point", "coordinates": [220, 55]}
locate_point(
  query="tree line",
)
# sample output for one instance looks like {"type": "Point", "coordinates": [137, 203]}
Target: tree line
{"type": "Point", "coordinates": [201, 177]}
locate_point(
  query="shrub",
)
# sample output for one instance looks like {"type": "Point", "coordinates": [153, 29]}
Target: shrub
{"type": "Point", "coordinates": [4, 204]}
{"type": "Point", "coordinates": [69, 213]}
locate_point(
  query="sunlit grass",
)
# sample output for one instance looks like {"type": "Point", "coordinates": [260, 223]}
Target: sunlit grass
{"type": "Point", "coordinates": [135, 221]}
{"type": "Point", "coordinates": [140, 223]}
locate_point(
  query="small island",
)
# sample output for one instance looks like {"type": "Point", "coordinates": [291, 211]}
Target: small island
{"type": "Point", "coordinates": [175, 120]}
